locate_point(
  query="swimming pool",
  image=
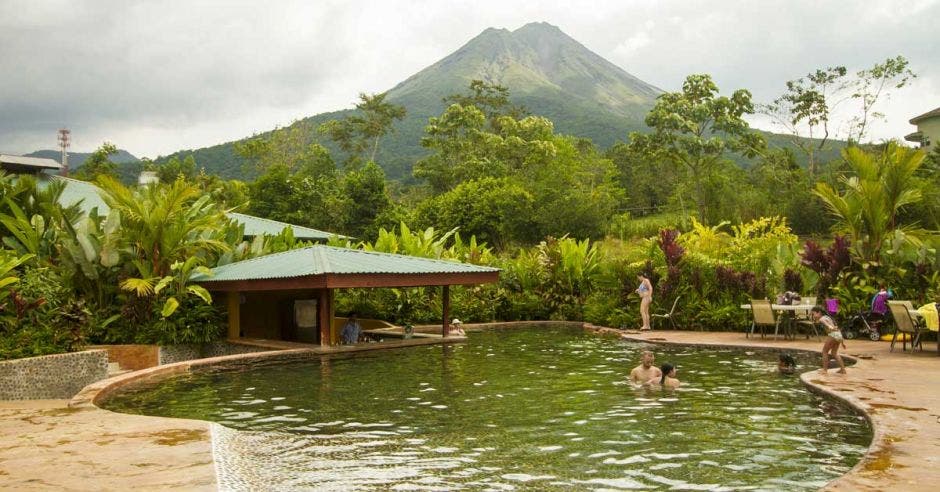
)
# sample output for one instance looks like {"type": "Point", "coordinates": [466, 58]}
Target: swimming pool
{"type": "Point", "coordinates": [531, 408]}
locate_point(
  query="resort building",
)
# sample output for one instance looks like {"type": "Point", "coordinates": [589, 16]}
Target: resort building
{"type": "Point", "coordinates": [289, 296]}
{"type": "Point", "coordinates": [17, 164]}
{"type": "Point", "coordinates": [928, 129]}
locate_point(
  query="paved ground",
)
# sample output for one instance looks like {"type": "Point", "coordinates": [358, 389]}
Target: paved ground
{"type": "Point", "coordinates": [48, 445]}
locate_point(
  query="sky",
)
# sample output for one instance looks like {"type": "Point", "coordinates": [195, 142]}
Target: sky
{"type": "Point", "coordinates": [160, 76]}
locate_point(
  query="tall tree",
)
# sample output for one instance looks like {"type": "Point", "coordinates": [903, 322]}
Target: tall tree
{"type": "Point", "coordinates": [870, 86]}
{"type": "Point", "coordinates": [491, 99]}
{"type": "Point", "coordinates": [99, 163]}
{"type": "Point", "coordinates": [361, 132]}
{"type": "Point", "coordinates": [808, 105]}
{"type": "Point", "coordinates": [292, 146]}
{"type": "Point", "coordinates": [695, 129]}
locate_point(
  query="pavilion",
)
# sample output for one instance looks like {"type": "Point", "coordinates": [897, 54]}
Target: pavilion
{"type": "Point", "coordinates": [289, 296]}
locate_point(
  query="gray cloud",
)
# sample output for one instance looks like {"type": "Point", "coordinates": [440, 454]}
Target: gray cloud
{"type": "Point", "coordinates": [155, 77]}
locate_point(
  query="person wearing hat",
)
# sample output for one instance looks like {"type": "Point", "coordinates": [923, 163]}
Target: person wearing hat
{"type": "Point", "coordinates": [455, 328]}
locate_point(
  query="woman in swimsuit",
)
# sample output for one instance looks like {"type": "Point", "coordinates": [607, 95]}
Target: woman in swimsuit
{"type": "Point", "coordinates": [645, 290]}
{"type": "Point", "coordinates": [668, 379]}
{"type": "Point", "coordinates": [833, 340]}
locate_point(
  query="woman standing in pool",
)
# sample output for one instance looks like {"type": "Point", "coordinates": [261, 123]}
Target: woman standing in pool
{"type": "Point", "coordinates": [645, 290]}
{"type": "Point", "coordinates": [833, 340]}
{"type": "Point", "coordinates": [668, 379]}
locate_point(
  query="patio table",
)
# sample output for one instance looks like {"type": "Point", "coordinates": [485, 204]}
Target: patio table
{"type": "Point", "coordinates": [789, 309]}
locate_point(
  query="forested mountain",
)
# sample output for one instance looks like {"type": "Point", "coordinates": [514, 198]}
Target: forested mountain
{"type": "Point", "coordinates": [76, 159]}
{"type": "Point", "coordinates": [128, 165]}
{"type": "Point", "coordinates": [546, 71]}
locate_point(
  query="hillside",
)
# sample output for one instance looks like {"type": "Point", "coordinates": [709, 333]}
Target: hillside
{"type": "Point", "coordinates": [546, 71]}
{"type": "Point", "coordinates": [127, 163]}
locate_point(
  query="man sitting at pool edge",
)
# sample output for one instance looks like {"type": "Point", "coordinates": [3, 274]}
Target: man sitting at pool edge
{"type": "Point", "coordinates": [645, 372]}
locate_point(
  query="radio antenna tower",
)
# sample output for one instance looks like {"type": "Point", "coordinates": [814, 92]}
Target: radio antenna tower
{"type": "Point", "coordinates": [65, 139]}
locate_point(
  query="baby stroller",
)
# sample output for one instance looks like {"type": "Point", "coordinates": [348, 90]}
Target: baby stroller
{"type": "Point", "coordinates": [864, 323]}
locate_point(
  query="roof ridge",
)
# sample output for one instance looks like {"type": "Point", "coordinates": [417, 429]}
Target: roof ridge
{"type": "Point", "coordinates": [288, 224]}
{"type": "Point", "coordinates": [270, 255]}
{"type": "Point", "coordinates": [318, 252]}
{"type": "Point", "coordinates": [382, 253]}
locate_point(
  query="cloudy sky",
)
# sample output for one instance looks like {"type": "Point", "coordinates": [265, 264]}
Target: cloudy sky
{"type": "Point", "coordinates": [158, 76]}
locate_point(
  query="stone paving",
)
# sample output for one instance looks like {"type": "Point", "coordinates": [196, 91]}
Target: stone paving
{"type": "Point", "coordinates": [46, 444]}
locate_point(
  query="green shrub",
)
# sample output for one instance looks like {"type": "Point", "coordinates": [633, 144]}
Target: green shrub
{"type": "Point", "coordinates": [40, 316]}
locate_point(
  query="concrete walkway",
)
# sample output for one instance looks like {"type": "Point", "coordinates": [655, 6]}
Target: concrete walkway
{"type": "Point", "coordinates": [900, 391]}
{"type": "Point", "coordinates": [49, 445]}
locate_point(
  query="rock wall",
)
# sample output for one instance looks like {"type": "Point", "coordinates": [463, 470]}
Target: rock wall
{"type": "Point", "coordinates": [50, 377]}
{"type": "Point", "coordinates": [179, 353]}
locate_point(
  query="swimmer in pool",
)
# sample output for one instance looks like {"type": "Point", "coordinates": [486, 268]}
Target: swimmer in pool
{"type": "Point", "coordinates": [642, 374]}
{"type": "Point", "coordinates": [668, 378]}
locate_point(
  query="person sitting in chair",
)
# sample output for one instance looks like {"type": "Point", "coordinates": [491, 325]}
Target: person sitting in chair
{"type": "Point", "coordinates": [351, 330]}
{"type": "Point", "coordinates": [455, 329]}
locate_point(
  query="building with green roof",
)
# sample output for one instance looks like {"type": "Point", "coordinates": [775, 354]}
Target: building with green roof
{"type": "Point", "coordinates": [289, 295]}
{"type": "Point", "coordinates": [256, 226]}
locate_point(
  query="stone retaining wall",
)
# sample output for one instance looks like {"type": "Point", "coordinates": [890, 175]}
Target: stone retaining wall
{"type": "Point", "coordinates": [131, 357]}
{"type": "Point", "coordinates": [50, 377]}
{"type": "Point", "coordinates": [180, 353]}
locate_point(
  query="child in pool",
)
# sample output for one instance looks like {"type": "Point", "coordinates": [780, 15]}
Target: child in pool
{"type": "Point", "coordinates": [786, 364]}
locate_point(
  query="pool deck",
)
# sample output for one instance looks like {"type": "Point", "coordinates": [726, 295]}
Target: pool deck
{"type": "Point", "coordinates": [73, 445]}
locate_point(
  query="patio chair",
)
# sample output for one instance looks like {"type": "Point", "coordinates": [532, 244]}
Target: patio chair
{"type": "Point", "coordinates": [919, 322]}
{"type": "Point", "coordinates": [763, 316]}
{"type": "Point", "coordinates": [670, 315]}
{"type": "Point", "coordinates": [904, 324]}
{"type": "Point", "coordinates": [802, 318]}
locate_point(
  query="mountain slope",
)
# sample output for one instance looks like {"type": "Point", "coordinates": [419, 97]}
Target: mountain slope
{"type": "Point", "coordinates": [545, 70]}
{"type": "Point", "coordinates": [128, 165]}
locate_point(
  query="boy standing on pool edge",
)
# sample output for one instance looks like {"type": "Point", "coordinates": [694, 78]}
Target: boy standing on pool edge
{"type": "Point", "coordinates": [833, 339]}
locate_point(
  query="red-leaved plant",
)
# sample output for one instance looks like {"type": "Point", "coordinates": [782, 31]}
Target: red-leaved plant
{"type": "Point", "coordinates": [828, 263]}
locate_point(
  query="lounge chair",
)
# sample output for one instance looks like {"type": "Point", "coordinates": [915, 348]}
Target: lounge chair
{"type": "Point", "coordinates": [904, 324]}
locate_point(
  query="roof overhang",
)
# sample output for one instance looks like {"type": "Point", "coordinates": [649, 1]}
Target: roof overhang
{"type": "Point", "coordinates": [351, 281]}
{"type": "Point", "coordinates": [27, 164]}
{"type": "Point", "coordinates": [327, 267]}
{"type": "Point", "coordinates": [928, 114]}
{"type": "Point", "coordinates": [916, 137]}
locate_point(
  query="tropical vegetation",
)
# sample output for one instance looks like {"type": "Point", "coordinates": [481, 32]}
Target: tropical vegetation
{"type": "Point", "coordinates": [569, 225]}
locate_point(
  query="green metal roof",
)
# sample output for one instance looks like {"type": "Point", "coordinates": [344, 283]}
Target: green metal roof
{"type": "Point", "coordinates": [27, 163]}
{"type": "Point", "coordinates": [88, 197]}
{"type": "Point", "coordinates": [256, 226]}
{"type": "Point", "coordinates": [81, 192]}
{"type": "Point", "coordinates": [321, 259]}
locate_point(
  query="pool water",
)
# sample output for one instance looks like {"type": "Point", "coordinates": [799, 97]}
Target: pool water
{"type": "Point", "coordinates": [532, 409]}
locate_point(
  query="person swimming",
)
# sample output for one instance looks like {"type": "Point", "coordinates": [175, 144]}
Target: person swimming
{"type": "Point", "coordinates": [668, 379]}
{"type": "Point", "coordinates": [786, 364]}
{"type": "Point", "coordinates": [645, 373]}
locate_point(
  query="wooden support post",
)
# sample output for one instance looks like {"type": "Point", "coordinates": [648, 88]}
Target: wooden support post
{"type": "Point", "coordinates": [445, 308]}
{"type": "Point", "coordinates": [234, 302]}
{"type": "Point", "coordinates": [325, 316]}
